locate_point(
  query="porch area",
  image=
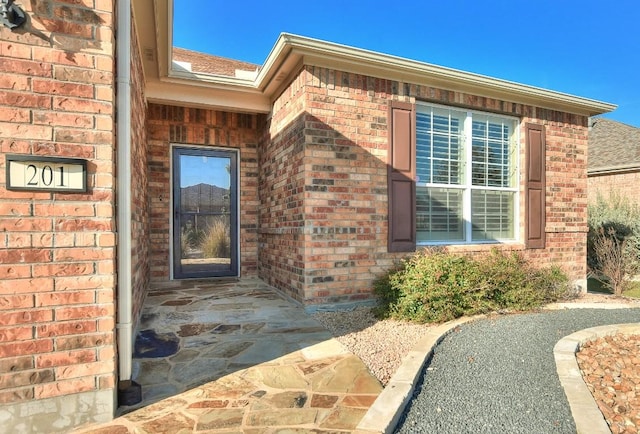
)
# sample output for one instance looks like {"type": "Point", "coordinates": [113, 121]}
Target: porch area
{"type": "Point", "coordinates": [237, 356]}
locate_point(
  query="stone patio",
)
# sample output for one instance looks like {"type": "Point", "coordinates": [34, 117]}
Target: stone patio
{"type": "Point", "coordinates": [239, 357]}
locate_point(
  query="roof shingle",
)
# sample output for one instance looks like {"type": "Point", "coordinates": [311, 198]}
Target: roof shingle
{"type": "Point", "coordinates": [613, 146]}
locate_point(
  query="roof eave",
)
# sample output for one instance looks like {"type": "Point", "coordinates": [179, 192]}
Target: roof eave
{"type": "Point", "coordinates": [204, 95]}
{"type": "Point", "coordinates": [291, 51]}
{"type": "Point", "coordinates": [321, 53]}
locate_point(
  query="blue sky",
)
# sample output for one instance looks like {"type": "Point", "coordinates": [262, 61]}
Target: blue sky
{"type": "Point", "coordinates": [195, 170]}
{"type": "Point", "coordinates": [586, 48]}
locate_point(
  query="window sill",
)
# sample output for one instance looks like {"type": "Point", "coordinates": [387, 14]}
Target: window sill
{"type": "Point", "coordinates": [479, 247]}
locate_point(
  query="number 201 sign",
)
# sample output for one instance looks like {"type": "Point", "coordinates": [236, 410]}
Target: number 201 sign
{"type": "Point", "coordinates": [31, 172]}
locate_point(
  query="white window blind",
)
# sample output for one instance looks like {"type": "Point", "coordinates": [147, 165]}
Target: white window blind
{"type": "Point", "coordinates": [466, 167]}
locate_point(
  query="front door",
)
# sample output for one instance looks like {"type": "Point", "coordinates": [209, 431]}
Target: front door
{"type": "Point", "coordinates": [205, 217]}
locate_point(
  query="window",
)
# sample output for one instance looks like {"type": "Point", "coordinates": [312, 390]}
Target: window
{"type": "Point", "coordinates": [466, 176]}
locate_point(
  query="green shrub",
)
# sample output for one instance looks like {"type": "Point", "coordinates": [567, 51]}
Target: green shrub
{"type": "Point", "coordinates": [515, 284]}
{"type": "Point", "coordinates": [435, 286]}
{"type": "Point", "coordinates": [216, 243]}
{"type": "Point", "coordinates": [613, 242]}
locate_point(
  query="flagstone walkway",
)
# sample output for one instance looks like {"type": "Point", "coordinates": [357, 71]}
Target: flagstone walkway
{"type": "Point", "coordinates": [239, 357]}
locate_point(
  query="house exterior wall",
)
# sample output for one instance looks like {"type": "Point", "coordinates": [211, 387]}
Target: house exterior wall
{"type": "Point", "coordinates": [624, 184]}
{"type": "Point", "coordinates": [341, 245]}
{"type": "Point", "coordinates": [167, 125]}
{"type": "Point", "coordinates": [281, 257]}
{"type": "Point", "coordinates": [57, 251]}
{"type": "Point", "coordinates": [566, 193]}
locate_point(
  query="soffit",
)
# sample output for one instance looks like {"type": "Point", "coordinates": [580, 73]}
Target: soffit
{"type": "Point", "coordinates": [163, 85]}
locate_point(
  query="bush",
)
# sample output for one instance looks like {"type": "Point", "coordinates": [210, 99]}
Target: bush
{"type": "Point", "coordinates": [216, 243]}
{"type": "Point", "coordinates": [613, 242]}
{"type": "Point", "coordinates": [435, 286]}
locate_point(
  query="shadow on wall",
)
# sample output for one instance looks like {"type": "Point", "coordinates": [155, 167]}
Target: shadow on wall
{"type": "Point", "coordinates": [67, 28]}
{"type": "Point", "coordinates": [324, 209]}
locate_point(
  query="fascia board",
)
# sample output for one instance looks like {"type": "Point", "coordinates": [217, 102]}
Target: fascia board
{"type": "Point", "coordinates": [321, 53]}
{"type": "Point", "coordinates": [203, 96]}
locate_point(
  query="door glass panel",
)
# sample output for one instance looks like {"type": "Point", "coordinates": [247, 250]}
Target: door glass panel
{"type": "Point", "coordinates": [204, 215]}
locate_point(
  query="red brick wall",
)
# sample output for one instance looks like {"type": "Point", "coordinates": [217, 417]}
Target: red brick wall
{"type": "Point", "coordinates": [566, 196]}
{"type": "Point", "coordinates": [168, 125]}
{"type": "Point", "coordinates": [346, 153]}
{"type": "Point", "coordinates": [57, 251]}
{"type": "Point", "coordinates": [624, 184]}
{"type": "Point", "coordinates": [139, 184]}
{"type": "Point", "coordinates": [343, 245]}
{"type": "Point", "coordinates": [282, 193]}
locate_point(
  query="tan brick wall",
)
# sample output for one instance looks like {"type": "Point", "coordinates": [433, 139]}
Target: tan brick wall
{"type": "Point", "coordinates": [168, 125]}
{"type": "Point", "coordinates": [343, 244]}
{"type": "Point", "coordinates": [624, 184]}
{"type": "Point", "coordinates": [139, 184]}
{"type": "Point", "coordinates": [57, 251]}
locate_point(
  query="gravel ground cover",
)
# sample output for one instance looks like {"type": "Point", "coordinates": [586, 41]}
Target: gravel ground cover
{"type": "Point", "coordinates": [381, 345]}
{"type": "Point", "coordinates": [498, 375]}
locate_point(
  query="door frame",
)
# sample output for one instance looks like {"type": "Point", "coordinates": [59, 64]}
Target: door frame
{"type": "Point", "coordinates": [234, 153]}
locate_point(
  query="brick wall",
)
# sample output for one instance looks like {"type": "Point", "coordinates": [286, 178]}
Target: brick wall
{"type": "Point", "coordinates": [566, 195]}
{"type": "Point", "coordinates": [282, 193]}
{"type": "Point", "coordinates": [346, 153]}
{"type": "Point", "coordinates": [57, 251]}
{"type": "Point", "coordinates": [343, 244]}
{"type": "Point", "coordinates": [625, 184]}
{"type": "Point", "coordinates": [139, 184]}
{"type": "Point", "coordinates": [168, 125]}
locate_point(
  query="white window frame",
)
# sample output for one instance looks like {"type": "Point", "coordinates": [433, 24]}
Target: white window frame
{"type": "Point", "coordinates": [467, 186]}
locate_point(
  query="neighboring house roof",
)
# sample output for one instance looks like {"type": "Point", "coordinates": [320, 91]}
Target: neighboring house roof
{"type": "Point", "coordinates": [613, 147]}
{"type": "Point", "coordinates": [210, 64]}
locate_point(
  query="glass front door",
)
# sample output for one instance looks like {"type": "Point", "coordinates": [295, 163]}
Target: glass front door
{"type": "Point", "coordinates": [205, 240]}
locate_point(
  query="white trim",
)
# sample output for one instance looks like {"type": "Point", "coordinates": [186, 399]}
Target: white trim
{"type": "Point", "coordinates": [171, 198]}
{"type": "Point", "coordinates": [468, 165]}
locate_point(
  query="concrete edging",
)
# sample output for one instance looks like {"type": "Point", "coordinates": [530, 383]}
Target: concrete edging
{"type": "Point", "coordinates": [387, 409]}
{"type": "Point", "coordinates": [584, 409]}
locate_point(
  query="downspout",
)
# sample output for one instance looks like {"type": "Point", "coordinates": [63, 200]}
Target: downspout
{"type": "Point", "coordinates": [128, 392]}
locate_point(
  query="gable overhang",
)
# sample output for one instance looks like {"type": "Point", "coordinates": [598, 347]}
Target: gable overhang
{"type": "Point", "coordinates": [165, 84]}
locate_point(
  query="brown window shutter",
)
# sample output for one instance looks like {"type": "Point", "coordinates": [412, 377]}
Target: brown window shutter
{"type": "Point", "coordinates": [535, 187]}
{"type": "Point", "coordinates": [401, 171]}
